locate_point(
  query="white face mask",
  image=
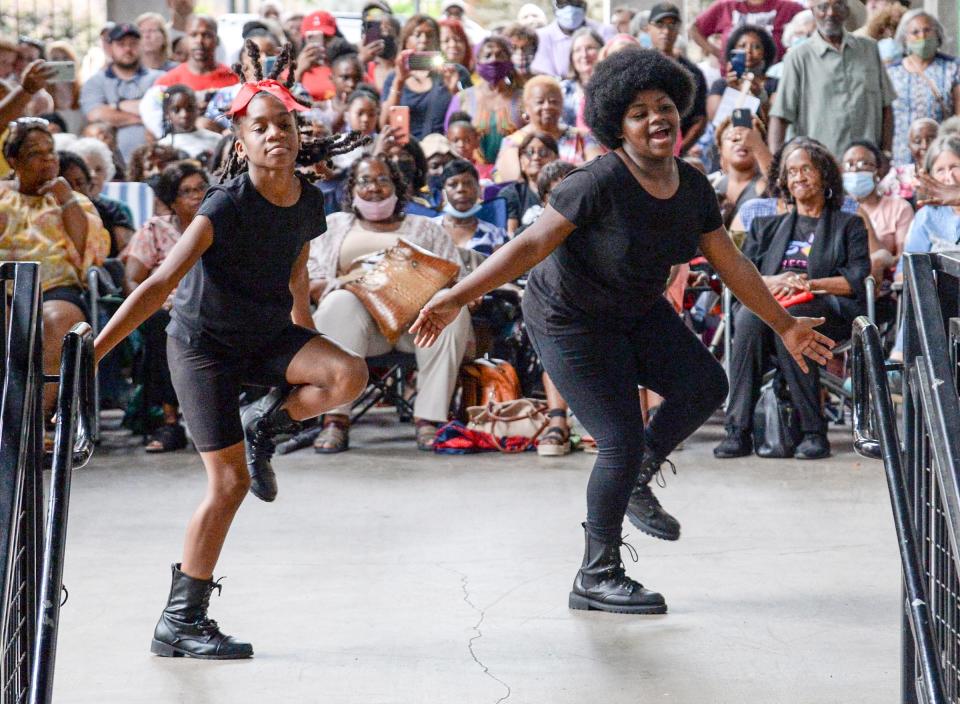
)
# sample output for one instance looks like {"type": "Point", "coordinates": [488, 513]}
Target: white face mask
{"type": "Point", "coordinates": [570, 17]}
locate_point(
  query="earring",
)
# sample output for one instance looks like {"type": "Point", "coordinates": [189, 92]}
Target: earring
{"type": "Point", "coordinates": [829, 193]}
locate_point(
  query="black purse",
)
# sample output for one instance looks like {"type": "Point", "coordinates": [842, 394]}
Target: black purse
{"type": "Point", "coordinates": [776, 425]}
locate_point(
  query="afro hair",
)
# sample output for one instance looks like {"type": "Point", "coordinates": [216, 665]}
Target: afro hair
{"type": "Point", "coordinates": [616, 81]}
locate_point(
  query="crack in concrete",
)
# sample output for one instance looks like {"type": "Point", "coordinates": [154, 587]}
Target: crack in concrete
{"type": "Point", "coordinates": [464, 579]}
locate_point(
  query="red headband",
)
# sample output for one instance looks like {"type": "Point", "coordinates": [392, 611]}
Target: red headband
{"type": "Point", "coordinates": [274, 88]}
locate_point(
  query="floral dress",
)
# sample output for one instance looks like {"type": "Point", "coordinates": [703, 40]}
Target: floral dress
{"type": "Point", "coordinates": [929, 95]}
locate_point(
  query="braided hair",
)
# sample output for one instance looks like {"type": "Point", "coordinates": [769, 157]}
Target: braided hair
{"type": "Point", "coordinates": [313, 150]}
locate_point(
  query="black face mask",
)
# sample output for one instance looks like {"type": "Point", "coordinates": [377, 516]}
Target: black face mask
{"type": "Point", "coordinates": [389, 48]}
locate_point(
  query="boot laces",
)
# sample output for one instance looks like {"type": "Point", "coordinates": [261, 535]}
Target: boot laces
{"type": "Point", "coordinates": [618, 574]}
{"type": "Point", "coordinates": [658, 471]}
{"type": "Point", "coordinates": [204, 623]}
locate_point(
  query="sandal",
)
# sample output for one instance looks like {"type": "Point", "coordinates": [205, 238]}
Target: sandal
{"type": "Point", "coordinates": [426, 435]}
{"type": "Point", "coordinates": [167, 438]}
{"type": "Point", "coordinates": [334, 438]}
{"type": "Point", "coordinates": [555, 441]}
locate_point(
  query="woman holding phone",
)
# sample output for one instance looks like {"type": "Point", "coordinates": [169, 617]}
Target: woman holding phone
{"type": "Point", "coordinates": [421, 81]}
{"type": "Point", "coordinates": [595, 311]}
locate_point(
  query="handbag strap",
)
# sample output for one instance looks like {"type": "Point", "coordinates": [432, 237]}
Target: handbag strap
{"type": "Point", "coordinates": [932, 86]}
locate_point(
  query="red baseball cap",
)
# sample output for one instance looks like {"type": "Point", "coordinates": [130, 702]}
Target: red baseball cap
{"type": "Point", "coordinates": [319, 22]}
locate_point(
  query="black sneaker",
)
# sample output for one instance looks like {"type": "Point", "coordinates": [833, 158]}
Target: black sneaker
{"type": "Point", "coordinates": [738, 443]}
{"type": "Point", "coordinates": [814, 446]}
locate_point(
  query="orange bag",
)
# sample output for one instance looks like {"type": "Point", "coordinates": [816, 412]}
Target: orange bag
{"type": "Point", "coordinates": [487, 380]}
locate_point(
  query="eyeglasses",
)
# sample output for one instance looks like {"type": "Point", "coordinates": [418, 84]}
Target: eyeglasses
{"type": "Point", "coordinates": [670, 25]}
{"type": "Point", "coordinates": [366, 182]}
{"type": "Point", "coordinates": [859, 165]}
{"type": "Point", "coordinates": [805, 170]}
{"type": "Point", "coordinates": [542, 152]}
{"type": "Point", "coordinates": [195, 191]}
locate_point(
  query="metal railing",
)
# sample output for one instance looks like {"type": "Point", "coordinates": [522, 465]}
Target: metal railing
{"type": "Point", "coordinates": [924, 471]}
{"type": "Point", "coordinates": [31, 556]}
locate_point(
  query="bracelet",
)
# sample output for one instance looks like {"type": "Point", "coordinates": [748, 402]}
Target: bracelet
{"type": "Point", "coordinates": [72, 200]}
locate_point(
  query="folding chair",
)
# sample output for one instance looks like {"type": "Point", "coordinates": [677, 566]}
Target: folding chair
{"type": "Point", "coordinates": [494, 212]}
{"type": "Point", "coordinates": [135, 195]}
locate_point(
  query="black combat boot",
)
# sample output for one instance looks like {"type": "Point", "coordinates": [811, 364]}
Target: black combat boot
{"type": "Point", "coordinates": [262, 421]}
{"type": "Point", "coordinates": [185, 630]}
{"type": "Point", "coordinates": [644, 510]}
{"type": "Point", "coordinates": [603, 585]}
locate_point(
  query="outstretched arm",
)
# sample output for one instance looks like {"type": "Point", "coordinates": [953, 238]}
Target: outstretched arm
{"type": "Point", "coordinates": [744, 280]}
{"type": "Point", "coordinates": [516, 257]}
{"type": "Point", "coordinates": [149, 296]}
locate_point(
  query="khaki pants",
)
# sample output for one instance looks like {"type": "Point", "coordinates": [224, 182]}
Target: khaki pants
{"type": "Point", "coordinates": [342, 317]}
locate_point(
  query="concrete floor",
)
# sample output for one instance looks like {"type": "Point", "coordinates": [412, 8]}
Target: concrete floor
{"type": "Point", "coordinates": [389, 576]}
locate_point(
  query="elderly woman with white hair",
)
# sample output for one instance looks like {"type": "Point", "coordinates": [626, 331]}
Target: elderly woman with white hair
{"type": "Point", "coordinates": [926, 80]}
{"type": "Point", "coordinates": [116, 217]}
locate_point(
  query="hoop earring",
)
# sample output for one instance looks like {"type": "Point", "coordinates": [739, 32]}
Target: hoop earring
{"type": "Point", "coordinates": [829, 193]}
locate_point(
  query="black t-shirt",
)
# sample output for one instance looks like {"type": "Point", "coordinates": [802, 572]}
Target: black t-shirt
{"type": "Point", "coordinates": [796, 257]}
{"type": "Point", "coordinates": [238, 294]}
{"type": "Point", "coordinates": [699, 100]}
{"type": "Point", "coordinates": [520, 198]}
{"type": "Point", "coordinates": [113, 215]}
{"type": "Point", "coordinates": [616, 263]}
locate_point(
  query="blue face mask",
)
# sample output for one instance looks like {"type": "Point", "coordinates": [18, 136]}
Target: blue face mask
{"type": "Point", "coordinates": [859, 184]}
{"type": "Point", "coordinates": [570, 17]}
{"type": "Point", "coordinates": [461, 214]}
{"type": "Point", "coordinates": [645, 41]}
{"type": "Point", "coordinates": [890, 50]}
{"type": "Point", "coordinates": [798, 40]}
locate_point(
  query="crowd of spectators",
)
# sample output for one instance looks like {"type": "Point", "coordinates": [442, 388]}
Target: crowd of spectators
{"type": "Point", "coordinates": [847, 106]}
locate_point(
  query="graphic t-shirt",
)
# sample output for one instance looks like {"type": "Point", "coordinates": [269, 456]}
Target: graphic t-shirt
{"type": "Point", "coordinates": [726, 15]}
{"type": "Point", "coordinates": [797, 255]}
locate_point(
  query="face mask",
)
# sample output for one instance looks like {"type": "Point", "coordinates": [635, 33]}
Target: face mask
{"type": "Point", "coordinates": [859, 184]}
{"type": "Point", "coordinates": [570, 17]}
{"type": "Point", "coordinates": [494, 71]}
{"type": "Point", "coordinates": [448, 209]}
{"type": "Point", "coordinates": [645, 41]}
{"type": "Point", "coordinates": [375, 211]}
{"type": "Point", "coordinates": [890, 50]}
{"type": "Point", "coordinates": [798, 40]}
{"type": "Point", "coordinates": [925, 49]}
{"type": "Point", "coordinates": [389, 48]}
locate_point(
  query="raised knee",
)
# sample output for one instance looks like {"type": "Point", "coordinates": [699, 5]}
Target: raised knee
{"type": "Point", "coordinates": [233, 489]}
{"type": "Point", "coordinates": [353, 376]}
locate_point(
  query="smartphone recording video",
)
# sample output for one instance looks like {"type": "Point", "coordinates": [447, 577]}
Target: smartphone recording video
{"type": "Point", "coordinates": [425, 61]}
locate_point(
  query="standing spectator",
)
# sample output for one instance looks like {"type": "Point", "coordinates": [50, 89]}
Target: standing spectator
{"type": "Point", "coordinates": [215, 117]}
{"type": "Point", "coordinates": [155, 43]}
{"type": "Point", "coordinates": [113, 95]}
{"type": "Point", "coordinates": [181, 12]}
{"type": "Point", "coordinates": [723, 16]}
{"type": "Point", "coordinates": [584, 52]}
{"type": "Point", "coordinates": [664, 28]}
{"type": "Point", "coordinates": [379, 55]}
{"type": "Point", "coordinates": [454, 44]}
{"type": "Point", "coordinates": [760, 54]}
{"type": "Point", "coordinates": [834, 87]}
{"type": "Point", "coordinates": [291, 29]}
{"type": "Point", "coordinates": [66, 94]}
{"type": "Point", "coordinates": [556, 39]}
{"type": "Point", "coordinates": [312, 71]}
{"type": "Point", "coordinates": [532, 16]}
{"type": "Point", "coordinates": [523, 47]}
{"type": "Point", "coordinates": [494, 103]}
{"type": "Point", "coordinates": [200, 71]}
{"type": "Point", "coordinates": [927, 82]}
{"type": "Point", "coordinates": [97, 56]}
{"type": "Point", "coordinates": [621, 18]}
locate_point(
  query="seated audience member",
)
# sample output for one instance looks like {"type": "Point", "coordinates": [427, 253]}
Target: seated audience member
{"type": "Point", "coordinates": [816, 249]}
{"type": "Point", "coordinates": [438, 153]}
{"type": "Point", "coordinates": [899, 180]}
{"type": "Point", "coordinates": [524, 202]}
{"type": "Point", "coordinates": [107, 134]}
{"type": "Point", "coordinates": [373, 221]}
{"type": "Point", "coordinates": [181, 187]}
{"type": "Point", "coordinates": [43, 220]}
{"type": "Point", "coordinates": [116, 216]}
{"type": "Point", "coordinates": [936, 228]}
{"type": "Point", "coordinates": [465, 142]}
{"type": "Point", "coordinates": [926, 81]}
{"type": "Point", "coordinates": [148, 161]}
{"type": "Point", "coordinates": [889, 215]}
{"type": "Point", "coordinates": [411, 162]}
{"type": "Point", "coordinates": [543, 103]}
{"type": "Point", "coordinates": [180, 129]}
{"type": "Point", "coordinates": [66, 94]}
{"type": "Point", "coordinates": [455, 45]}
{"type": "Point", "coordinates": [426, 92]}
{"type": "Point", "coordinates": [494, 102]}
{"type": "Point", "coordinates": [523, 47]}
{"type": "Point", "coordinates": [584, 54]}
{"type": "Point", "coordinates": [461, 194]}
{"type": "Point", "coordinates": [744, 159]}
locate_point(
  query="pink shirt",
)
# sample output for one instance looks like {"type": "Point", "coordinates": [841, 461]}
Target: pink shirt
{"type": "Point", "coordinates": [726, 15]}
{"type": "Point", "coordinates": [891, 219]}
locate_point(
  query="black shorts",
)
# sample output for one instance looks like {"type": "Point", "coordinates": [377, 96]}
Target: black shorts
{"type": "Point", "coordinates": [207, 381]}
{"type": "Point", "coordinates": [70, 294]}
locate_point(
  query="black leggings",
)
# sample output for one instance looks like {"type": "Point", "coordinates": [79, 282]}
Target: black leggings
{"type": "Point", "coordinates": [154, 370]}
{"type": "Point", "coordinates": [598, 372]}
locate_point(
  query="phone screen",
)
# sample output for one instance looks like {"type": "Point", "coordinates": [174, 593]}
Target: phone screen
{"type": "Point", "coordinates": [64, 71]}
{"type": "Point", "coordinates": [425, 61]}
{"type": "Point", "coordinates": [269, 63]}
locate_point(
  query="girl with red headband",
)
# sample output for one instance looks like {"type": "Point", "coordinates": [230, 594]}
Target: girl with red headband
{"type": "Point", "coordinates": [241, 316]}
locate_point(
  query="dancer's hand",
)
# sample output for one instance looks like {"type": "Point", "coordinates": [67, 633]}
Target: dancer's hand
{"type": "Point", "coordinates": [439, 312]}
{"type": "Point", "coordinates": [801, 340]}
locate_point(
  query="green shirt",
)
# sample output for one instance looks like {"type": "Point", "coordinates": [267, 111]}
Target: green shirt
{"type": "Point", "coordinates": [834, 96]}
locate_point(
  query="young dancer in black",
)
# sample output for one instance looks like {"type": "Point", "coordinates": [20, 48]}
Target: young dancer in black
{"type": "Point", "coordinates": [596, 314]}
{"type": "Point", "coordinates": [241, 315]}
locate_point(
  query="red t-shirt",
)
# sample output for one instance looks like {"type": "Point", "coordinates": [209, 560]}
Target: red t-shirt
{"type": "Point", "coordinates": [724, 16]}
{"type": "Point", "coordinates": [318, 84]}
{"type": "Point", "coordinates": [220, 77]}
